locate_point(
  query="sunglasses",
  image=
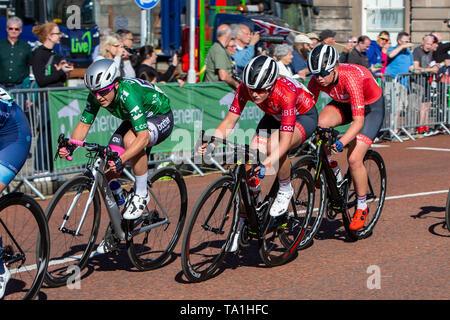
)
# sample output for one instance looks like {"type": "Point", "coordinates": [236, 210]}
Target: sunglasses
{"type": "Point", "coordinates": [407, 41]}
{"type": "Point", "coordinates": [323, 73]}
{"type": "Point", "coordinates": [352, 41]}
{"type": "Point", "coordinates": [259, 91]}
{"type": "Point", "coordinates": [103, 92]}
{"type": "Point", "coordinates": [16, 29]}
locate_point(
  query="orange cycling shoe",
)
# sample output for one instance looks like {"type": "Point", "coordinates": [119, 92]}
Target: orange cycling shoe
{"type": "Point", "coordinates": [359, 219]}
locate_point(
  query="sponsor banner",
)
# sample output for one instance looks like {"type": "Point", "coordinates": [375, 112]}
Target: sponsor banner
{"type": "Point", "coordinates": [195, 107]}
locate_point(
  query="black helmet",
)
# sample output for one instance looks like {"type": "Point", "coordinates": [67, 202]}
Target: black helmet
{"type": "Point", "coordinates": [260, 73]}
{"type": "Point", "coordinates": [322, 58]}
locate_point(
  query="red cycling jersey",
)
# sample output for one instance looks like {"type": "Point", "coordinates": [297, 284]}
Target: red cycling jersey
{"type": "Point", "coordinates": [356, 86]}
{"type": "Point", "coordinates": [287, 99]}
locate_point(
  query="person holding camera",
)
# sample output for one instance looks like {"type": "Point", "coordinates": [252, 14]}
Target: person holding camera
{"type": "Point", "coordinates": [127, 41]}
{"type": "Point", "coordinates": [245, 46]}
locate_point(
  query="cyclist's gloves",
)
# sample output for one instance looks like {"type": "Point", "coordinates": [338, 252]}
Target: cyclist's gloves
{"type": "Point", "coordinates": [262, 171]}
{"type": "Point", "coordinates": [119, 165]}
{"type": "Point", "coordinates": [339, 145]}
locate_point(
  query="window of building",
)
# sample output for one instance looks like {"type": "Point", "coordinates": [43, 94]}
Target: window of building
{"type": "Point", "coordinates": [379, 15]}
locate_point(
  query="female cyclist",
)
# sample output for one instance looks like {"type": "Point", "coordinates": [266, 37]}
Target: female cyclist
{"type": "Point", "coordinates": [15, 142]}
{"type": "Point", "coordinates": [290, 118]}
{"type": "Point", "coordinates": [148, 120]}
{"type": "Point", "coordinates": [357, 99]}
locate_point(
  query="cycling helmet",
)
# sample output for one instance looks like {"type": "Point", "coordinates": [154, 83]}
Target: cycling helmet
{"type": "Point", "coordinates": [101, 74]}
{"type": "Point", "coordinates": [322, 58]}
{"type": "Point", "coordinates": [260, 73]}
{"type": "Point", "coordinates": [4, 95]}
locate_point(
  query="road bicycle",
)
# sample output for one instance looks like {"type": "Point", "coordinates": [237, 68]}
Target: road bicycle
{"type": "Point", "coordinates": [25, 244]}
{"type": "Point", "coordinates": [447, 211]}
{"type": "Point", "coordinates": [74, 217]}
{"type": "Point", "coordinates": [227, 209]}
{"type": "Point", "coordinates": [340, 197]}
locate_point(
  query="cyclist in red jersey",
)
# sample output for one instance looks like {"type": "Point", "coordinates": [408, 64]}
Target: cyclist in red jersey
{"type": "Point", "coordinates": [290, 118]}
{"type": "Point", "coordinates": [357, 99]}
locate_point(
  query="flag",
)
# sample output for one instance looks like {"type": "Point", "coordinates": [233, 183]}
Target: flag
{"type": "Point", "coordinates": [267, 28]}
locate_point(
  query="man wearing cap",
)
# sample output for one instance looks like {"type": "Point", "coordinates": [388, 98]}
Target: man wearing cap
{"type": "Point", "coordinates": [374, 53]}
{"type": "Point", "coordinates": [327, 37]}
{"type": "Point", "coordinates": [314, 39]}
{"type": "Point", "coordinates": [300, 53]}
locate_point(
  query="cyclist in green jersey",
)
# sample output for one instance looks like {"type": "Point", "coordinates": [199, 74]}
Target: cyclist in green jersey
{"type": "Point", "coordinates": [147, 121]}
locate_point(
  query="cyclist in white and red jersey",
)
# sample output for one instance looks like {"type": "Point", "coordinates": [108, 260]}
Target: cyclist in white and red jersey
{"type": "Point", "coordinates": [357, 99]}
{"type": "Point", "coordinates": [290, 118]}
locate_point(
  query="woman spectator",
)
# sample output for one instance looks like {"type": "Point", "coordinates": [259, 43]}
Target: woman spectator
{"type": "Point", "coordinates": [50, 70]}
{"type": "Point", "coordinates": [283, 55]}
{"type": "Point", "coordinates": [111, 47]}
{"type": "Point", "coordinates": [147, 58]}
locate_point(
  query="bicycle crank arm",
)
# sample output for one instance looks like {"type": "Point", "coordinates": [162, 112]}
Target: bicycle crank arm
{"type": "Point", "coordinates": [215, 230]}
{"type": "Point", "coordinates": [69, 231]}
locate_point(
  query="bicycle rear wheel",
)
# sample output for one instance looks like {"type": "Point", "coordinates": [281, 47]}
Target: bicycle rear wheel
{"type": "Point", "coordinates": [167, 212]}
{"type": "Point", "coordinates": [283, 234]}
{"type": "Point", "coordinates": [320, 197]}
{"type": "Point", "coordinates": [25, 244]}
{"type": "Point", "coordinates": [208, 231]}
{"type": "Point", "coordinates": [69, 252]}
{"type": "Point", "coordinates": [376, 174]}
{"type": "Point", "coordinates": [447, 211]}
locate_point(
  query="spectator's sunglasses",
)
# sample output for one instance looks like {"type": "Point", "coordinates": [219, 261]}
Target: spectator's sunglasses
{"type": "Point", "coordinates": [103, 92]}
{"type": "Point", "coordinates": [11, 28]}
{"type": "Point", "coordinates": [322, 73]}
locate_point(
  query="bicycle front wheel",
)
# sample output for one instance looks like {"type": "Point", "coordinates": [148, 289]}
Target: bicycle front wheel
{"type": "Point", "coordinates": [284, 233]}
{"type": "Point", "coordinates": [208, 231]}
{"type": "Point", "coordinates": [162, 223]}
{"type": "Point", "coordinates": [72, 239]}
{"type": "Point", "coordinates": [25, 244]}
{"type": "Point", "coordinates": [376, 177]}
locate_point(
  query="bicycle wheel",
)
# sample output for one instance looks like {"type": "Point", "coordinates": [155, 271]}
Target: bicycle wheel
{"type": "Point", "coordinates": [167, 210]}
{"type": "Point", "coordinates": [69, 253]}
{"type": "Point", "coordinates": [320, 197]}
{"type": "Point", "coordinates": [25, 244]}
{"type": "Point", "coordinates": [447, 211]}
{"type": "Point", "coordinates": [283, 234]}
{"type": "Point", "coordinates": [208, 231]}
{"type": "Point", "coordinates": [376, 174]}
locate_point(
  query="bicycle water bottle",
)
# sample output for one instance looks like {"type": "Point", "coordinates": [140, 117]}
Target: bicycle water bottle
{"type": "Point", "coordinates": [255, 188]}
{"type": "Point", "coordinates": [336, 170]}
{"type": "Point", "coordinates": [117, 192]}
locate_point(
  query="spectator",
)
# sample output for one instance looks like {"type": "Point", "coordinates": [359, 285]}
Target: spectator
{"type": "Point", "coordinates": [400, 61]}
{"type": "Point", "coordinates": [219, 66]}
{"type": "Point", "coordinates": [103, 33]}
{"type": "Point", "coordinates": [50, 70]}
{"type": "Point", "coordinates": [127, 41]}
{"type": "Point", "coordinates": [424, 63]}
{"type": "Point", "coordinates": [111, 48]}
{"type": "Point", "coordinates": [314, 38]}
{"type": "Point", "coordinates": [283, 55]}
{"type": "Point", "coordinates": [300, 56]}
{"type": "Point", "coordinates": [15, 57]}
{"type": "Point", "coordinates": [146, 59]}
{"type": "Point", "coordinates": [245, 46]}
{"type": "Point", "coordinates": [327, 37]}
{"type": "Point", "coordinates": [359, 56]}
{"type": "Point", "coordinates": [384, 56]}
{"type": "Point", "coordinates": [442, 53]}
{"type": "Point", "coordinates": [374, 52]}
{"type": "Point", "coordinates": [351, 43]}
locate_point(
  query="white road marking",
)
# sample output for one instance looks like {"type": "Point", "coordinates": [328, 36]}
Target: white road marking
{"type": "Point", "coordinates": [431, 149]}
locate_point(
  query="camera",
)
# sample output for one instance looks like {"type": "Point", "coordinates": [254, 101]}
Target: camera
{"type": "Point", "coordinates": [130, 50]}
{"type": "Point", "coordinates": [272, 39]}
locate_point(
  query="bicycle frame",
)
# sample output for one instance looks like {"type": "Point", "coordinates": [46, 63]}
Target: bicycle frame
{"type": "Point", "coordinates": [96, 173]}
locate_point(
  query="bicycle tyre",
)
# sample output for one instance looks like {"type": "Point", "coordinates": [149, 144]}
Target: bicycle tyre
{"type": "Point", "coordinates": [170, 182]}
{"type": "Point", "coordinates": [279, 244]}
{"type": "Point", "coordinates": [64, 244]}
{"type": "Point", "coordinates": [376, 173]}
{"type": "Point", "coordinates": [320, 199]}
{"type": "Point", "coordinates": [447, 211]}
{"type": "Point", "coordinates": [196, 241]}
{"type": "Point", "coordinates": [41, 251]}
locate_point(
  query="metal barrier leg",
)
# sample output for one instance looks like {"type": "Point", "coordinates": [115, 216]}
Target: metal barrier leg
{"type": "Point", "coordinates": [34, 189]}
{"type": "Point", "coordinates": [445, 128]}
{"type": "Point", "coordinates": [396, 136]}
{"type": "Point", "coordinates": [193, 165]}
{"type": "Point", "coordinates": [407, 133]}
{"type": "Point", "coordinates": [214, 162]}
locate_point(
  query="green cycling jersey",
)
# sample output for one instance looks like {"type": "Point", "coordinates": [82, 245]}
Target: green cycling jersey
{"type": "Point", "coordinates": [136, 100]}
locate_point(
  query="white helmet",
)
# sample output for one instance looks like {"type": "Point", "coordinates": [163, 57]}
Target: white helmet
{"type": "Point", "coordinates": [4, 95]}
{"type": "Point", "coordinates": [101, 74]}
{"type": "Point", "coordinates": [260, 73]}
{"type": "Point", "coordinates": [322, 58]}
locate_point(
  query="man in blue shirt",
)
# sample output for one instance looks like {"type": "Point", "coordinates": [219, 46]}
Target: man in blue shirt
{"type": "Point", "coordinates": [245, 47]}
{"type": "Point", "coordinates": [374, 51]}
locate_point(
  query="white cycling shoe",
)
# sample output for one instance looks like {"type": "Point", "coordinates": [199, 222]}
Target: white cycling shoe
{"type": "Point", "coordinates": [281, 203]}
{"type": "Point", "coordinates": [136, 207]}
{"type": "Point", "coordinates": [4, 278]}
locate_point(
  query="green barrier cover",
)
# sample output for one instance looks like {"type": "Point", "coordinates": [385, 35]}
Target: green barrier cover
{"type": "Point", "coordinates": [195, 107]}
